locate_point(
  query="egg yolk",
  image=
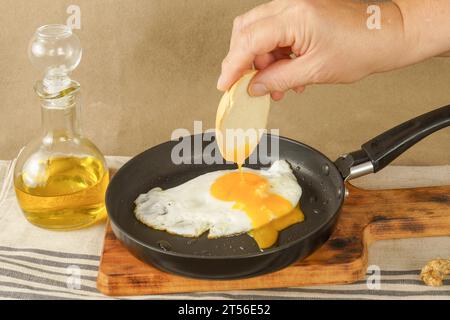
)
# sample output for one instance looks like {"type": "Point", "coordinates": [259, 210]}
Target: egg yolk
{"type": "Point", "coordinates": [240, 158]}
{"type": "Point", "coordinates": [268, 212]}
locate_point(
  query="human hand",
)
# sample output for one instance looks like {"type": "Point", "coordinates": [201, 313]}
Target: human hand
{"type": "Point", "coordinates": [295, 43]}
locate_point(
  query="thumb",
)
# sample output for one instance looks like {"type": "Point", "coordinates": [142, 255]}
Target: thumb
{"type": "Point", "coordinates": [281, 76]}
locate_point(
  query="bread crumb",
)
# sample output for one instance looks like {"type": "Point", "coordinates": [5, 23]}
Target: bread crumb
{"type": "Point", "coordinates": [434, 272]}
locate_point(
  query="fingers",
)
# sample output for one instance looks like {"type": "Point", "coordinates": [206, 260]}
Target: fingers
{"type": "Point", "coordinates": [263, 61]}
{"type": "Point", "coordinates": [299, 89]}
{"type": "Point", "coordinates": [277, 95]}
{"type": "Point", "coordinates": [281, 76]}
{"type": "Point", "coordinates": [260, 12]}
{"type": "Point", "coordinates": [259, 38]}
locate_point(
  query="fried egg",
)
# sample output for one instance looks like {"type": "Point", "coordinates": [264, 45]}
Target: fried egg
{"type": "Point", "coordinates": [226, 203]}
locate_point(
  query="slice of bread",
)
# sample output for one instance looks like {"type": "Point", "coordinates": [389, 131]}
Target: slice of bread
{"type": "Point", "coordinates": [241, 120]}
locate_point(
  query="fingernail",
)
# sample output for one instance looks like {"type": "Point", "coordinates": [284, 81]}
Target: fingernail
{"type": "Point", "coordinates": [221, 83]}
{"type": "Point", "coordinates": [258, 89]}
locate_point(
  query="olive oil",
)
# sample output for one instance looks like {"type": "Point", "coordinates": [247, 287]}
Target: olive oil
{"type": "Point", "coordinates": [60, 177]}
{"type": "Point", "coordinates": [65, 193]}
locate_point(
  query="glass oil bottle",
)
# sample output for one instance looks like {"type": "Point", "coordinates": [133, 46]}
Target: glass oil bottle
{"type": "Point", "coordinates": [60, 177]}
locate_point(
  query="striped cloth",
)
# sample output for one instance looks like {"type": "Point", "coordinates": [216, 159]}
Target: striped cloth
{"type": "Point", "coordinates": [42, 264]}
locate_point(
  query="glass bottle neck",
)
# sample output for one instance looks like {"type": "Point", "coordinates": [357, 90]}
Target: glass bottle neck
{"type": "Point", "coordinates": [60, 110]}
{"type": "Point", "coordinates": [60, 117]}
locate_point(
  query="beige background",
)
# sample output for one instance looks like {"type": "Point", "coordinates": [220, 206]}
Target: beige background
{"type": "Point", "coordinates": [151, 66]}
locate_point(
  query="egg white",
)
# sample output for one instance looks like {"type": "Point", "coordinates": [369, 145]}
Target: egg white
{"type": "Point", "coordinates": [190, 210]}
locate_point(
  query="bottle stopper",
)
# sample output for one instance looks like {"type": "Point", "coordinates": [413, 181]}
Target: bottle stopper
{"type": "Point", "coordinates": [56, 51]}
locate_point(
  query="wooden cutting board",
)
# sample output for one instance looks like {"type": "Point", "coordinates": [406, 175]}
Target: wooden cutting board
{"type": "Point", "coordinates": [367, 216]}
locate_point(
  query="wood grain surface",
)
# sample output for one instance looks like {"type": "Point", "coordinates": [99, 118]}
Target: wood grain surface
{"type": "Point", "coordinates": [366, 216]}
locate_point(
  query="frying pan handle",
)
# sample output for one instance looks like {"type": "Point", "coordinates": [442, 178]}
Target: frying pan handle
{"type": "Point", "coordinates": [383, 149]}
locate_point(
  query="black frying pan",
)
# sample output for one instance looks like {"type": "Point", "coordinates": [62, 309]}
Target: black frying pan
{"type": "Point", "coordinates": [323, 194]}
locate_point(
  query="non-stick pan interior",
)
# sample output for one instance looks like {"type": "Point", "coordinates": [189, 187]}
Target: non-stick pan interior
{"type": "Point", "coordinates": [322, 196]}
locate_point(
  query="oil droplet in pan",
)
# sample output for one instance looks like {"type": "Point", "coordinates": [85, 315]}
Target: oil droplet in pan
{"type": "Point", "coordinates": [192, 241]}
{"type": "Point", "coordinates": [326, 169]}
{"type": "Point", "coordinates": [166, 246]}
